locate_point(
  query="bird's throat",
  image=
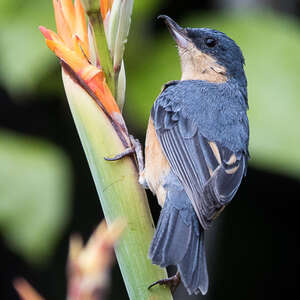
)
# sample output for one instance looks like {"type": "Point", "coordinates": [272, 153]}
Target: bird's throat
{"type": "Point", "coordinates": [196, 65]}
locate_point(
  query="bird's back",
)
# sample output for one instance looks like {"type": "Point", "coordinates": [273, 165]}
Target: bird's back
{"type": "Point", "coordinates": [218, 110]}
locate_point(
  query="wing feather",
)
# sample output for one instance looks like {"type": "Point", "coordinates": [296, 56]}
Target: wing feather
{"type": "Point", "coordinates": [210, 174]}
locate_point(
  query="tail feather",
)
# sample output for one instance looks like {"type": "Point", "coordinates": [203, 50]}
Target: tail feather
{"type": "Point", "coordinates": [179, 240]}
{"type": "Point", "coordinates": [193, 268]}
{"type": "Point", "coordinates": [164, 249]}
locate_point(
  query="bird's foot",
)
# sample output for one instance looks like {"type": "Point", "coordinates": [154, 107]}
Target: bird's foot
{"type": "Point", "coordinates": [126, 152]}
{"type": "Point", "coordinates": [172, 282]}
{"type": "Point", "coordinates": [136, 149]}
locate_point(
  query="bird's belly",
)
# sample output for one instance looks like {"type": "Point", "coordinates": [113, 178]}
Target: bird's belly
{"type": "Point", "coordinates": [156, 165]}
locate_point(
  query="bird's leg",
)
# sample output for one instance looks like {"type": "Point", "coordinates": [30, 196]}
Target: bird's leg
{"type": "Point", "coordinates": [172, 282]}
{"type": "Point", "coordinates": [140, 159]}
{"type": "Point", "coordinates": [139, 153]}
{"type": "Point", "coordinates": [136, 149]}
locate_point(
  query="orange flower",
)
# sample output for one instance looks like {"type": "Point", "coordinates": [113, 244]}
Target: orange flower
{"type": "Point", "coordinates": [89, 266]}
{"type": "Point", "coordinates": [71, 45]}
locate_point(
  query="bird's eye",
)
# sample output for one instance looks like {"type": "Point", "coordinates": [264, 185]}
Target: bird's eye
{"type": "Point", "coordinates": [210, 42]}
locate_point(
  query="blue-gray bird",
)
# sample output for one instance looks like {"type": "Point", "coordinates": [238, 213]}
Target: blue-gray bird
{"type": "Point", "coordinates": [196, 149]}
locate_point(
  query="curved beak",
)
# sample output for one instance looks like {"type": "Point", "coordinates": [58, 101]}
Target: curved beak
{"type": "Point", "coordinates": [178, 33]}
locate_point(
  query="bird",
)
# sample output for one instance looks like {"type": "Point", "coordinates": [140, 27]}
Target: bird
{"type": "Point", "coordinates": [196, 149]}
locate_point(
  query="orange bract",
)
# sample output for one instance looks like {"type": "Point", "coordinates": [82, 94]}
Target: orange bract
{"type": "Point", "coordinates": [105, 7]}
{"type": "Point", "coordinates": [25, 290]}
{"type": "Point", "coordinates": [71, 44]}
{"type": "Point", "coordinates": [71, 25]}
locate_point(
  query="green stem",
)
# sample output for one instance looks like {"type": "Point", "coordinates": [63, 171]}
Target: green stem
{"type": "Point", "coordinates": [120, 194]}
{"type": "Point", "coordinates": [106, 62]}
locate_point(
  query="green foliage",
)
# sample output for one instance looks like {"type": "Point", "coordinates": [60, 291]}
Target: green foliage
{"type": "Point", "coordinates": [34, 195]}
{"type": "Point", "coordinates": [24, 57]}
{"type": "Point", "coordinates": [143, 8]}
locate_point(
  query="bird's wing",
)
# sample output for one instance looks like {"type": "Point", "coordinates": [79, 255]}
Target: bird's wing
{"type": "Point", "coordinates": [209, 172]}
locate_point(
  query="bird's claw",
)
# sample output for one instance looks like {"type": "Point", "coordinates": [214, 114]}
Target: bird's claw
{"type": "Point", "coordinates": [172, 282]}
{"type": "Point", "coordinates": [136, 149]}
{"type": "Point", "coordinates": [119, 156]}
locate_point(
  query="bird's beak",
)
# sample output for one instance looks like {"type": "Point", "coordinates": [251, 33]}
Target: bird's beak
{"type": "Point", "coordinates": [179, 34]}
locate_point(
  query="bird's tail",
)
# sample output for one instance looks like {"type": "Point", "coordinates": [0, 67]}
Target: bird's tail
{"type": "Point", "coordinates": [179, 240]}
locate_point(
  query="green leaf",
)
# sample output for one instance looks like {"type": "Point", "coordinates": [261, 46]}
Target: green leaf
{"type": "Point", "coordinates": [24, 57]}
{"type": "Point", "coordinates": [142, 8]}
{"type": "Point", "coordinates": [113, 25]}
{"type": "Point", "coordinates": [35, 195]}
{"type": "Point", "coordinates": [122, 32]}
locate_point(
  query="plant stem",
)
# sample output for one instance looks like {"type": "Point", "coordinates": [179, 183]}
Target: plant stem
{"type": "Point", "coordinates": [106, 62]}
{"type": "Point", "coordinates": [119, 192]}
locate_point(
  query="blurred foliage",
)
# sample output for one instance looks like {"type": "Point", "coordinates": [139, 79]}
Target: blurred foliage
{"type": "Point", "coordinates": [143, 8]}
{"type": "Point", "coordinates": [35, 194]}
{"type": "Point", "coordinates": [24, 59]}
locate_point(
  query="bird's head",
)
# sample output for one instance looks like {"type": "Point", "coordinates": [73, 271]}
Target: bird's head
{"type": "Point", "coordinates": [207, 54]}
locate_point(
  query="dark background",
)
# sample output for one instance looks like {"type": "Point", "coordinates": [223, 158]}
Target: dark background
{"type": "Point", "coordinates": [253, 247]}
